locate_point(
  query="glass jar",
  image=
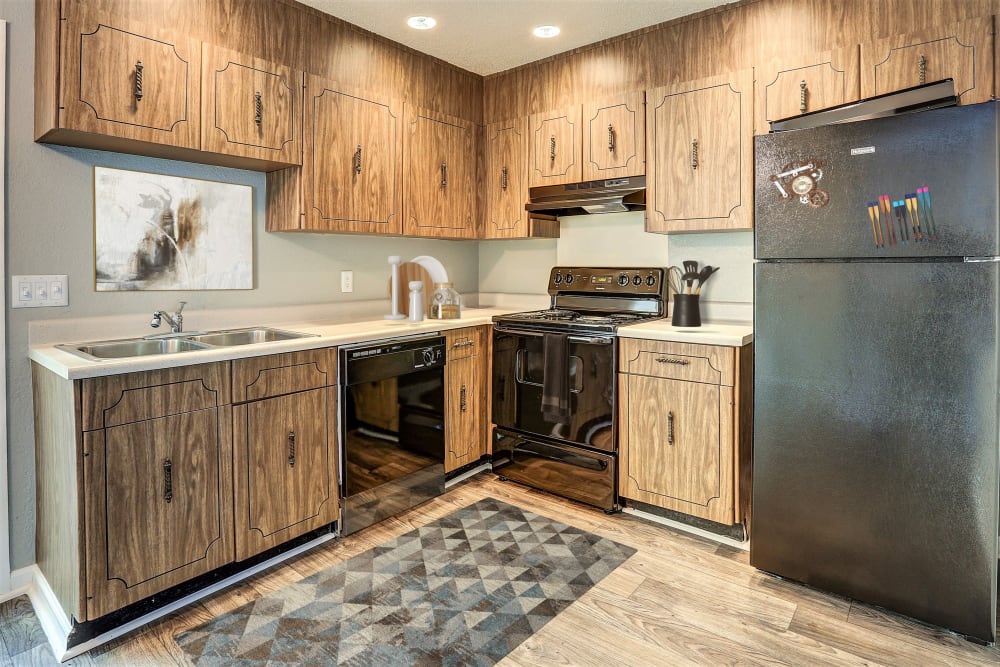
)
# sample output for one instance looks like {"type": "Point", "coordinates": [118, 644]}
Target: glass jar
{"type": "Point", "coordinates": [446, 304]}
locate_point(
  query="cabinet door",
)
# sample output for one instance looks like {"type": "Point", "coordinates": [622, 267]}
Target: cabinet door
{"type": "Point", "coordinates": [962, 51]}
{"type": "Point", "coordinates": [554, 147]}
{"type": "Point", "coordinates": [699, 171]}
{"type": "Point", "coordinates": [158, 505]}
{"type": "Point", "coordinates": [439, 176]}
{"type": "Point", "coordinates": [677, 446]}
{"type": "Point", "coordinates": [351, 161]}
{"type": "Point", "coordinates": [505, 182]}
{"type": "Point", "coordinates": [614, 137]}
{"type": "Point", "coordinates": [130, 81]}
{"type": "Point", "coordinates": [462, 407]}
{"type": "Point", "coordinates": [803, 85]}
{"type": "Point", "coordinates": [284, 466]}
{"type": "Point", "coordinates": [251, 108]}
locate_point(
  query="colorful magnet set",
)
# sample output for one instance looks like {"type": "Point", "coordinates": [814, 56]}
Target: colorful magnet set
{"type": "Point", "coordinates": [902, 220]}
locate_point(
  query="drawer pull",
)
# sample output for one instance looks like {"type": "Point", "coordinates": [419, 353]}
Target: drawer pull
{"type": "Point", "coordinates": [552, 148]}
{"type": "Point", "coordinates": [258, 109]}
{"type": "Point", "coordinates": [168, 480]}
{"type": "Point", "coordinates": [138, 80]}
{"type": "Point", "coordinates": [291, 449]}
{"type": "Point", "coordinates": [462, 403]}
{"type": "Point", "coordinates": [357, 160]}
{"type": "Point", "coordinates": [669, 360]}
{"type": "Point", "coordinates": [694, 153]}
{"type": "Point", "coordinates": [464, 343]}
{"type": "Point", "coordinates": [670, 428]}
{"type": "Point", "coordinates": [444, 174]}
{"type": "Point", "coordinates": [802, 96]}
{"type": "Point", "coordinates": [503, 179]}
{"type": "Point", "coordinates": [922, 69]}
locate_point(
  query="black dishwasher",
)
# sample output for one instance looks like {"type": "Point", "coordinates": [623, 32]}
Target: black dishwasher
{"type": "Point", "coordinates": [391, 428]}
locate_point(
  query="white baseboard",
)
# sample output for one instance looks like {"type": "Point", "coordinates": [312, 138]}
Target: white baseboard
{"type": "Point", "coordinates": [721, 539]}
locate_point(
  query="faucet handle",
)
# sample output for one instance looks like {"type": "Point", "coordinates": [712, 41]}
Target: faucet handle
{"type": "Point", "coordinates": [181, 307]}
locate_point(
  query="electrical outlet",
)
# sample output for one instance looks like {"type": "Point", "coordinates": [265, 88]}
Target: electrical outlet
{"type": "Point", "coordinates": [347, 281]}
{"type": "Point", "coordinates": [39, 291]}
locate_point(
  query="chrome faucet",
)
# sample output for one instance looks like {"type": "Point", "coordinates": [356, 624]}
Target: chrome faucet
{"type": "Point", "coordinates": [176, 322]}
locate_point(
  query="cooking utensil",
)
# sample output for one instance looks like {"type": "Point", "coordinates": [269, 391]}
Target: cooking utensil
{"type": "Point", "coordinates": [913, 208]}
{"type": "Point", "coordinates": [925, 198]}
{"type": "Point", "coordinates": [689, 279]}
{"type": "Point", "coordinates": [704, 275]}
{"type": "Point", "coordinates": [900, 211]}
{"type": "Point", "coordinates": [690, 266]}
{"type": "Point", "coordinates": [873, 214]}
{"type": "Point", "coordinates": [675, 279]}
{"type": "Point", "coordinates": [883, 201]}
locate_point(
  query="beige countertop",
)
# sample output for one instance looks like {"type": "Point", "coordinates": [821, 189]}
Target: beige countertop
{"type": "Point", "coordinates": [733, 334]}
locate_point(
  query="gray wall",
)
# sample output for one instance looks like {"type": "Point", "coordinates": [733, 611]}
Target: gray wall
{"type": "Point", "coordinates": [50, 231]}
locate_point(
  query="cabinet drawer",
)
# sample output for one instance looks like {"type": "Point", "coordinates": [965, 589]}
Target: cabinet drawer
{"type": "Point", "coordinates": [712, 364]}
{"type": "Point", "coordinates": [467, 342]}
{"type": "Point", "coordinates": [277, 374]}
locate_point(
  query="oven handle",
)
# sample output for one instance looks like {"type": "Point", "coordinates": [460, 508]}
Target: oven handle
{"type": "Point", "coordinates": [589, 340]}
{"type": "Point", "coordinates": [542, 451]}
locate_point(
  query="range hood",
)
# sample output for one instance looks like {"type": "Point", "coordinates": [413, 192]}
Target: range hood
{"type": "Point", "coordinates": [919, 98]}
{"type": "Point", "coordinates": [614, 195]}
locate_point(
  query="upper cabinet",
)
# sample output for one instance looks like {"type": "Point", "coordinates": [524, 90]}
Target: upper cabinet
{"type": "Point", "coordinates": [439, 175]}
{"type": "Point", "coordinates": [554, 147]}
{"type": "Point", "coordinates": [961, 51]}
{"type": "Point", "coordinates": [614, 137]}
{"type": "Point", "coordinates": [803, 85]}
{"type": "Point", "coordinates": [505, 185]}
{"type": "Point", "coordinates": [699, 171]}
{"type": "Point", "coordinates": [250, 107]}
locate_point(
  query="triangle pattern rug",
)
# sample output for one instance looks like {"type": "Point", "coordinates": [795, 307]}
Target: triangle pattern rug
{"type": "Point", "coordinates": [465, 589]}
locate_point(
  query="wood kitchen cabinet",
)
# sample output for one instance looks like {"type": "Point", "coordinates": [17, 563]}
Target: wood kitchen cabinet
{"type": "Point", "coordinates": [107, 83]}
{"type": "Point", "coordinates": [792, 87]}
{"type": "Point", "coordinates": [250, 107]}
{"type": "Point", "coordinates": [439, 175]}
{"type": "Point", "coordinates": [962, 51]}
{"type": "Point", "coordinates": [284, 447]}
{"type": "Point", "coordinates": [153, 507]}
{"type": "Point", "coordinates": [465, 384]}
{"type": "Point", "coordinates": [554, 153]}
{"type": "Point", "coordinates": [685, 427]}
{"type": "Point", "coordinates": [614, 137]}
{"type": "Point", "coordinates": [699, 158]}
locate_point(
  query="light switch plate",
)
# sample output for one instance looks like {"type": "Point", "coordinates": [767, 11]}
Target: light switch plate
{"type": "Point", "coordinates": [39, 291]}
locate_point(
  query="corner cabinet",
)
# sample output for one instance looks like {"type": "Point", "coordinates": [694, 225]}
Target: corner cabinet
{"type": "Point", "coordinates": [699, 157]}
{"type": "Point", "coordinates": [792, 87]}
{"type": "Point", "coordinates": [102, 80]}
{"type": "Point", "coordinates": [439, 175]}
{"type": "Point", "coordinates": [284, 447]}
{"type": "Point", "coordinates": [685, 413]}
{"type": "Point", "coordinates": [961, 51]}
{"type": "Point", "coordinates": [465, 382]}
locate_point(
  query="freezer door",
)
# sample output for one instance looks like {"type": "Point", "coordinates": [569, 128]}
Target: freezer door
{"type": "Point", "coordinates": [876, 434]}
{"type": "Point", "coordinates": [918, 185]}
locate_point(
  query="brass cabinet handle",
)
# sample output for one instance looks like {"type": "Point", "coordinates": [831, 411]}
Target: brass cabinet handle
{"type": "Point", "coordinates": [611, 139]}
{"type": "Point", "coordinates": [168, 480]}
{"type": "Point", "coordinates": [462, 404]}
{"type": "Point", "coordinates": [291, 449]}
{"type": "Point", "coordinates": [503, 178]}
{"type": "Point", "coordinates": [444, 174]}
{"type": "Point", "coordinates": [668, 360]}
{"type": "Point", "coordinates": [357, 160]}
{"type": "Point", "coordinates": [694, 153]}
{"type": "Point", "coordinates": [922, 69]}
{"type": "Point", "coordinates": [138, 80]}
{"type": "Point", "coordinates": [552, 148]}
{"type": "Point", "coordinates": [802, 96]}
{"type": "Point", "coordinates": [258, 109]}
{"type": "Point", "coordinates": [670, 428]}
{"type": "Point", "coordinates": [464, 343]}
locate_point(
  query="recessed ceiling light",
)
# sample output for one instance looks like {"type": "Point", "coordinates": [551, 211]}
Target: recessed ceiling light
{"type": "Point", "coordinates": [546, 31]}
{"type": "Point", "coordinates": [421, 22]}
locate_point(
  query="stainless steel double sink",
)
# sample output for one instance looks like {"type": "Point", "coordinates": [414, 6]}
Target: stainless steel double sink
{"type": "Point", "coordinates": [176, 343]}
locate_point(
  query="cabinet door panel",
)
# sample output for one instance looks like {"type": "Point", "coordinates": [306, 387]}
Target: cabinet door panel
{"type": "Point", "coordinates": [505, 181]}
{"type": "Point", "coordinates": [462, 389]}
{"type": "Point", "coordinates": [699, 160]}
{"type": "Point", "coordinates": [554, 147]}
{"type": "Point", "coordinates": [439, 176]}
{"type": "Point", "coordinates": [351, 164]}
{"type": "Point", "coordinates": [158, 505]}
{"type": "Point", "coordinates": [251, 107]}
{"type": "Point", "coordinates": [614, 137]}
{"type": "Point", "coordinates": [962, 51]}
{"type": "Point", "coordinates": [285, 454]}
{"type": "Point", "coordinates": [790, 88]}
{"type": "Point", "coordinates": [131, 81]}
{"type": "Point", "coordinates": [677, 446]}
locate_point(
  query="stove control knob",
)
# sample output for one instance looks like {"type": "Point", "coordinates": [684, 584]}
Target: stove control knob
{"type": "Point", "coordinates": [650, 280]}
{"type": "Point", "coordinates": [569, 278]}
{"type": "Point", "coordinates": [623, 279]}
{"type": "Point", "coordinates": [558, 279]}
{"type": "Point", "coordinates": [637, 280]}
{"type": "Point", "coordinates": [428, 356]}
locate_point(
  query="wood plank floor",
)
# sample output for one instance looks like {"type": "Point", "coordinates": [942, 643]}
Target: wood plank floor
{"type": "Point", "coordinates": [679, 600]}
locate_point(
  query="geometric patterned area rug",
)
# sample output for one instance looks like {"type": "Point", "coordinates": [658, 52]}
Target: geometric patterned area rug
{"type": "Point", "coordinates": [465, 589]}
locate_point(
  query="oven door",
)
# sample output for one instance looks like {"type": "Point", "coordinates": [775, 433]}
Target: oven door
{"type": "Point", "coordinates": [518, 366]}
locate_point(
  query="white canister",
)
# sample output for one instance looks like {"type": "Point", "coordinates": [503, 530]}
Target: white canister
{"type": "Point", "coordinates": [416, 300]}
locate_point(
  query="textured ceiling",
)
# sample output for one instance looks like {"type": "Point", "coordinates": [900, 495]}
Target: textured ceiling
{"type": "Point", "coordinates": [488, 36]}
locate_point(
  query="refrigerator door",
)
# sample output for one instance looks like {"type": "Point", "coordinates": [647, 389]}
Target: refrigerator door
{"type": "Point", "coordinates": [876, 434]}
{"type": "Point", "coordinates": [919, 185]}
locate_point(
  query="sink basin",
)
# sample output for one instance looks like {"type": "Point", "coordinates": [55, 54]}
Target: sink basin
{"type": "Point", "coordinates": [245, 336]}
{"type": "Point", "coordinates": [134, 347]}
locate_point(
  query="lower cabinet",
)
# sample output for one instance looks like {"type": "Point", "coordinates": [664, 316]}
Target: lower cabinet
{"type": "Point", "coordinates": [465, 381]}
{"type": "Point", "coordinates": [284, 447]}
{"type": "Point", "coordinates": [685, 434]}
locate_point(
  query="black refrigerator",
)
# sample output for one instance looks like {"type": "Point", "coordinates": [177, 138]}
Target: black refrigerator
{"type": "Point", "coordinates": [875, 453]}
